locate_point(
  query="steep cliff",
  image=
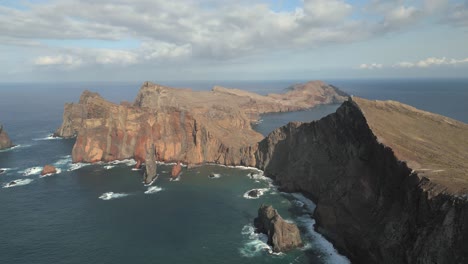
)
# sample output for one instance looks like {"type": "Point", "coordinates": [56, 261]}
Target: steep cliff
{"type": "Point", "coordinates": [390, 181]}
{"type": "Point", "coordinates": [5, 141]}
{"type": "Point", "coordinates": [184, 125]}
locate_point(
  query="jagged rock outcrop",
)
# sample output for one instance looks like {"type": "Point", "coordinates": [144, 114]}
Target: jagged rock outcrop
{"type": "Point", "coordinates": [282, 236]}
{"type": "Point", "coordinates": [5, 141]}
{"type": "Point", "coordinates": [150, 173]}
{"type": "Point", "coordinates": [48, 169]}
{"type": "Point", "coordinates": [192, 127]}
{"type": "Point", "coordinates": [390, 181]}
{"type": "Point", "coordinates": [176, 170]}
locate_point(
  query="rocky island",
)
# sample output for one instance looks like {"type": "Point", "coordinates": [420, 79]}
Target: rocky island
{"type": "Point", "coordinates": [5, 141]}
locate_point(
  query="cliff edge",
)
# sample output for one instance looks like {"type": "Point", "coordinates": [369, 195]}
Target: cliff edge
{"type": "Point", "coordinates": [5, 141]}
{"type": "Point", "coordinates": [390, 181]}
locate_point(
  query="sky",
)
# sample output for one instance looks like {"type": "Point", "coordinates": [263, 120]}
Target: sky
{"type": "Point", "coordinates": [137, 40]}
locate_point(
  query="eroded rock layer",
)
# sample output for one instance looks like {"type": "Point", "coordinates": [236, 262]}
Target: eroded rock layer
{"type": "Point", "coordinates": [371, 203]}
{"type": "Point", "coordinates": [5, 141]}
{"type": "Point", "coordinates": [192, 127]}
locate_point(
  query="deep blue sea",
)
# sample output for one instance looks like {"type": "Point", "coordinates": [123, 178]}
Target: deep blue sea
{"type": "Point", "coordinates": [103, 214]}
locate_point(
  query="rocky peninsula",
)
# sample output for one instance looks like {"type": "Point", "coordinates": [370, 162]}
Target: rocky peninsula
{"type": "Point", "coordinates": [390, 181]}
{"type": "Point", "coordinates": [5, 141]}
{"type": "Point", "coordinates": [184, 125]}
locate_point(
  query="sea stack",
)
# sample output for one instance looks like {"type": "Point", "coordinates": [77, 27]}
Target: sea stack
{"type": "Point", "coordinates": [282, 236]}
{"type": "Point", "coordinates": [5, 141]}
{"type": "Point", "coordinates": [150, 170]}
{"type": "Point", "coordinates": [176, 170]}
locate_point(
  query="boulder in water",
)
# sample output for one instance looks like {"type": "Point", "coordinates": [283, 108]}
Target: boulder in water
{"type": "Point", "coordinates": [282, 236]}
{"type": "Point", "coordinates": [254, 193]}
{"type": "Point", "coordinates": [48, 169]}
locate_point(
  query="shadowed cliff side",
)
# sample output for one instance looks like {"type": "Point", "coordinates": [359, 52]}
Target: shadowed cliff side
{"type": "Point", "coordinates": [370, 203]}
{"type": "Point", "coordinates": [184, 125]}
{"type": "Point", "coordinates": [5, 141]}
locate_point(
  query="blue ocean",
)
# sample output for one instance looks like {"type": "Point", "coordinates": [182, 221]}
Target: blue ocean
{"type": "Point", "coordinates": [102, 213]}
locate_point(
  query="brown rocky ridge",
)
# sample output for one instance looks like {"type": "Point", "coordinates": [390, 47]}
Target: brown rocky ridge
{"type": "Point", "coordinates": [5, 141]}
{"type": "Point", "coordinates": [150, 173]}
{"type": "Point", "coordinates": [48, 169]}
{"type": "Point", "coordinates": [390, 181]}
{"type": "Point", "coordinates": [184, 125]}
{"type": "Point", "coordinates": [282, 236]}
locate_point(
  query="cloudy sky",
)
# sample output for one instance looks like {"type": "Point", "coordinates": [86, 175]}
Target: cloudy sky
{"type": "Point", "coordinates": [89, 40]}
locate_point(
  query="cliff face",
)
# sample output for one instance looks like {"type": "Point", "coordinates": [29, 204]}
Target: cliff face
{"type": "Point", "coordinates": [5, 141]}
{"type": "Point", "coordinates": [193, 127]}
{"type": "Point", "coordinates": [370, 203]}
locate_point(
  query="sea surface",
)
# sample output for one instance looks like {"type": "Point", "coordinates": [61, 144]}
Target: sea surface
{"type": "Point", "coordinates": [102, 213]}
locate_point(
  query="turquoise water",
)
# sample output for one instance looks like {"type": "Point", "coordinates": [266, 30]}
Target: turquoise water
{"type": "Point", "coordinates": [62, 219]}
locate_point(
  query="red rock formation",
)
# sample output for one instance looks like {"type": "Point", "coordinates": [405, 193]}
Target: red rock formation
{"type": "Point", "coordinates": [48, 169]}
{"type": "Point", "coordinates": [193, 127]}
{"type": "Point", "coordinates": [5, 141]}
{"type": "Point", "coordinates": [176, 170]}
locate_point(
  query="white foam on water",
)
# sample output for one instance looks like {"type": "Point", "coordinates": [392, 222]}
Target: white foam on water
{"type": "Point", "coordinates": [58, 171]}
{"type": "Point", "coordinates": [330, 255]}
{"type": "Point", "coordinates": [175, 179]}
{"type": "Point", "coordinates": [63, 161]}
{"type": "Point", "coordinates": [307, 204]}
{"type": "Point", "coordinates": [76, 166]}
{"type": "Point", "coordinates": [214, 176]}
{"type": "Point", "coordinates": [316, 240]}
{"type": "Point", "coordinates": [256, 243]}
{"type": "Point", "coordinates": [31, 171]}
{"type": "Point", "coordinates": [50, 137]}
{"type": "Point", "coordinates": [19, 182]}
{"type": "Point", "coordinates": [15, 147]}
{"type": "Point", "coordinates": [135, 169]}
{"type": "Point", "coordinates": [112, 195]}
{"type": "Point", "coordinates": [259, 191]}
{"type": "Point", "coordinates": [153, 189]}
{"type": "Point", "coordinates": [108, 167]}
{"type": "Point", "coordinates": [128, 162]}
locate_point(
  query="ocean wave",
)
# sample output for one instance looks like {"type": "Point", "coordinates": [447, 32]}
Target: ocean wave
{"type": "Point", "coordinates": [76, 166]}
{"type": "Point", "coordinates": [153, 189]}
{"type": "Point", "coordinates": [31, 171]}
{"type": "Point", "coordinates": [304, 202]}
{"type": "Point", "coordinates": [318, 242]}
{"type": "Point", "coordinates": [19, 182]}
{"type": "Point", "coordinates": [175, 179]}
{"type": "Point", "coordinates": [260, 192]}
{"type": "Point", "coordinates": [112, 195]}
{"type": "Point", "coordinates": [63, 161]}
{"type": "Point", "coordinates": [108, 167]}
{"type": "Point", "coordinates": [128, 162]}
{"type": "Point", "coordinates": [50, 137]}
{"type": "Point", "coordinates": [214, 176]}
{"type": "Point", "coordinates": [58, 171]}
{"type": "Point", "coordinates": [255, 244]}
{"type": "Point", "coordinates": [15, 147]}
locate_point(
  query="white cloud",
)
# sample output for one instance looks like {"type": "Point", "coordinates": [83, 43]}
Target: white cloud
{"type": "Point", "coordinates": [58, 60]}
{"type": "Point", "coordinates": [430, 62]}
{"type": "Point", "coordinates": [371, 66]}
